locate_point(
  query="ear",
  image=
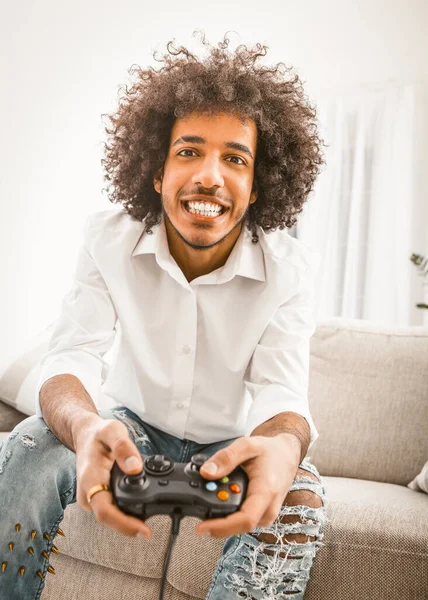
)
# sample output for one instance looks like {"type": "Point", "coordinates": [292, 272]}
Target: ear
{"type": "Point", "coordinates": [157, 180]}
{"type": "Point", "coordinates": [253, 195]}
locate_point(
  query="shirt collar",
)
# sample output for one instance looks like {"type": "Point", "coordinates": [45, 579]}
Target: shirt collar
{"type": "Point", "coordinates": [246, 258]}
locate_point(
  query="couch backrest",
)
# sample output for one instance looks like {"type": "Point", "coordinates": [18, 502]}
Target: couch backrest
{"type": "Point", "coordinates": [368, 396]}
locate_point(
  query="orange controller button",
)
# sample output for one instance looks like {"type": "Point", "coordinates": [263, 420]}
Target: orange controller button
{"type": "Point", "coordinates": [234, 487]}
{"type": "Point", "coordinates": [223, 495]}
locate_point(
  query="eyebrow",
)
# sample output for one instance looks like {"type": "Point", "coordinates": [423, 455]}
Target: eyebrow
{"type": "Point", "coordinates": [196, 139]}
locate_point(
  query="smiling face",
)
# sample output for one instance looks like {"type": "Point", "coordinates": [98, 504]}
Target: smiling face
{"type": "Point", "coordinates": [210, 161]}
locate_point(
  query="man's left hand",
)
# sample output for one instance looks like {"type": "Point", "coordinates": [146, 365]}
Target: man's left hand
{"type": "Point", "coordinates": [271, 464]}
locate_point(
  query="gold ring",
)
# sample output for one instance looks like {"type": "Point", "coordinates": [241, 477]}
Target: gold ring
{"type": "Point", "coordinates": [101, 487]}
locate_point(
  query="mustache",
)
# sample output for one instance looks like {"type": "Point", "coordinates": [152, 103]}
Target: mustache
{"type": "Point", "coordinates": [202, 192]}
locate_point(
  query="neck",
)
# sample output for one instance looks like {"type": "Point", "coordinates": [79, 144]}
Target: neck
{"type": "Point", "coordinates": [197, 262]}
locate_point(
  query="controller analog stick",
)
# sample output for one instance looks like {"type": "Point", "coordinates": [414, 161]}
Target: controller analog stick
{"type": "Point", "coordinates": [137, 479]}
{"type": "Point", "coordinates": [197, 461]}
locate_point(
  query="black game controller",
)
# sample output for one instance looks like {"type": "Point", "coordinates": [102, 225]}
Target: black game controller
{"type": "Point", "coordinates": [165, 487]}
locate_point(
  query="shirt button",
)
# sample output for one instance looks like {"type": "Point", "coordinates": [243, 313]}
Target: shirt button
{"type": "Point", "coordinates": [186, 349]}
{"type": "Point", "coordinates": [180, 405]}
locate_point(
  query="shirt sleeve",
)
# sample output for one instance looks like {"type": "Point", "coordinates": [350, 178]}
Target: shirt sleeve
{"type": "Point", "coordinates": [278, 374]}
{"type": "Point", "coordinates": [84, 330]}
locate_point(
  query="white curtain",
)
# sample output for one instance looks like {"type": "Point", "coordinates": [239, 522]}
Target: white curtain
{"type": "Point", "coordinates": [369, 210]}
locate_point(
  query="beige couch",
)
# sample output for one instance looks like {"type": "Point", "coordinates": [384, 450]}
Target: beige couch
{"type": "Point", "coordinates": [369, 399]}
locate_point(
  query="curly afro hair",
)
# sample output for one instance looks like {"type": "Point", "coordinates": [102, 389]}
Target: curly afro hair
{"type": "Point", "coordinates": [288, 155]}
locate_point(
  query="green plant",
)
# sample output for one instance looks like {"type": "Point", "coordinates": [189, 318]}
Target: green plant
{"type": "Point", "coordinates": [422, 264]}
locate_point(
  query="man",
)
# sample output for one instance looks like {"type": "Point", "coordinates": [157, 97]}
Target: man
{"type": "Point", "coordinates": [212, 312]}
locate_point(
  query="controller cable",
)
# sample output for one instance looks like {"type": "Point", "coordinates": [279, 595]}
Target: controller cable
{"type": "Point", "coordinates": [175, 528]}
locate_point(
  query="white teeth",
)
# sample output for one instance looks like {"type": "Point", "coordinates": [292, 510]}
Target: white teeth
{"type": "Point", "coordinates": [204, 206]}
{"type": "Point", "coordinates": [205, 209]}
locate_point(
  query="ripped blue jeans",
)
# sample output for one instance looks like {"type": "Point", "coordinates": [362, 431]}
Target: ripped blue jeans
{"type": "Point", "coordinates": [38, 481]}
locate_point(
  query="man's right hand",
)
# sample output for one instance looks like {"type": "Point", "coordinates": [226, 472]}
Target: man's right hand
{"type": "Point", "coordinates": [98, 445]}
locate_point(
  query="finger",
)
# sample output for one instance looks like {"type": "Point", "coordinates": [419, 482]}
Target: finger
{"type": "Point", "coordinates": [107, 513]}
{"type": "Point", "coordinates": [123, 449]}
{"type": "Point", "coordinates": [247, 518]}
{"type": "Point", "coordinates": [243, 521]}
{"type": "Point", "coordinates": [229, 458]}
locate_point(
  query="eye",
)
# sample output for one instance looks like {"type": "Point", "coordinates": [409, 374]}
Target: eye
{"type": "Point", "coordinates": [184, 150]}
{"type": "Point", "coordinates": [239, 158]}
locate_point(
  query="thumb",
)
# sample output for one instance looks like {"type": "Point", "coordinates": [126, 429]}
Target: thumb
{"type": "Point", "coordinates": [125, 452]}
{"type": "Point", "coordinates": [210, 469]}
{"type": "Point", "coordinates": [223, 461]}
{"type": "Point", "coordinates": [132, 463]}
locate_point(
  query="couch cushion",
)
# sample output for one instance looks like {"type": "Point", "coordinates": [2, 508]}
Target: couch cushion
{"type": "Point", "coordinates": [82, 580]}
{"type": "Point", "coordinates": [9, 417]}
{"type": "Point", "coordinates": [378, 529]}
{"type": "Point", "coordinates": [368, 396]}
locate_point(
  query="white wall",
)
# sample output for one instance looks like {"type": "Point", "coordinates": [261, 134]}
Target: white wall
{"type": "Point", "coordinates": [62, 64]}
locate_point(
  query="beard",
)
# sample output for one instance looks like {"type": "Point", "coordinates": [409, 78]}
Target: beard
{"type": "Point", "coordinates": [199, 242]}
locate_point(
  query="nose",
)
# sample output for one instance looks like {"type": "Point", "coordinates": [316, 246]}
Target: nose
{"type": "Point", "coordinates": [208, 173]}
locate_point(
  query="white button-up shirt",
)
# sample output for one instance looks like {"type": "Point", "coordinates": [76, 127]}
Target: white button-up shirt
{"type": "Point", "coordinates": [207, 360]}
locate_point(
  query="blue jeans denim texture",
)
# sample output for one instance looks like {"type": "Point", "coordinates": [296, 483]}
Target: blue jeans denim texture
{"type": "Point", "coordinates": [38, 481]}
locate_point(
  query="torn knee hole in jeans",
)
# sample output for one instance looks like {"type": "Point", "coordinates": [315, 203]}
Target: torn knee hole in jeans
{"type": "Point", "coordinates": [26, 440]}
{"type": "Point", "coordinates": [279, 565]}
{"type": "Point", "coordinates": [275, 576]}
{"type": "Point", "coordinates": [295, 524]}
